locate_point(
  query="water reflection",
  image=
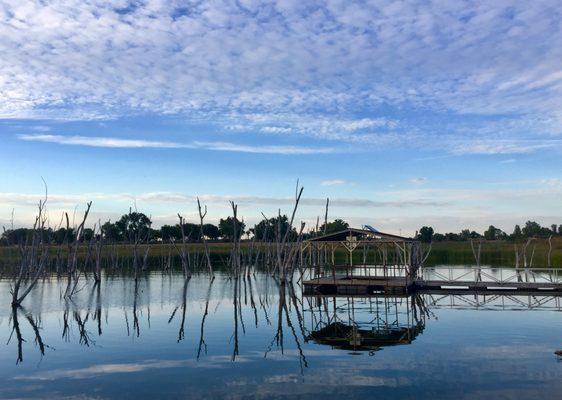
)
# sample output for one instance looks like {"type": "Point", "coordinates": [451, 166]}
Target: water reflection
{"type": "Point", "coordinates": [254, 330]}
{"type": "Point", "coordinates": [351, 323]}
{"type": "Point", "coordinates": [366, 323]}
{"type": "Point", "coordinates": [16, 331]}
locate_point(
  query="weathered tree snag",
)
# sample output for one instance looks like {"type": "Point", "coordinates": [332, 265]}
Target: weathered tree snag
{"type": "Point", "coordinates": [549, 261]}
{"type": "Point", "coordinates": [98, 246]}
{"type": "Point", "coordinates": [202, 215]}
{"type": "Point", "coordinates": [184, 254]}
{"type": "Point", "coordinates": [476, 254]}
{"type": "Point", "coordinates": [34, 257]}
{"type": "Point", "coordinates": [72, 264]}
{"type": "Point", "coordinates": [202, 343]}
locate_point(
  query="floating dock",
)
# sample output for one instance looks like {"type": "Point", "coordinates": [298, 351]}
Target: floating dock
{"type": "Point", "coordinates": [393, 264]}
{"type": "Point", "coordinates": [528, 281]}
{"type": "Point", "coordinates": [358, 285]}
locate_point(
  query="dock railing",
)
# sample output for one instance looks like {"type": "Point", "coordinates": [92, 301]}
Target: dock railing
{"type": "Point", "coordinates": [499, 302]}
{"type": "Point", "coordinates": [500, 276]}
{"type": "Point", "coordinates": [357, 271]}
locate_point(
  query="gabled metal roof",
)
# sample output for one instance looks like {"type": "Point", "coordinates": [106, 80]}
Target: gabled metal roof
{"type": "Point", "coordinates": [360, 234]}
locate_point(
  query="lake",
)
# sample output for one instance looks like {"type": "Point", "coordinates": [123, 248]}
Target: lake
{"type": "Point", "coordinates": [252, 337]}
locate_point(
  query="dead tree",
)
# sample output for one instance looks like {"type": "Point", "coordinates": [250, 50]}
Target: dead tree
{"type": "Point", "coordinates": [285, 257]}
{"type": "Point", "coordinates": [202, 215]}
{"type": "Point", "coordinates": [325, 254]}
{"type": "Point", "coordinates": [548, 258]}
{"type": "Point", "coordinates": [184, 254]}
{"type": "Point", "coordinates": [98, 246]}
{"type": "Point", "coordinates": [72, 265]}
{"type": "Point", "coordinates": [202, 343]}
{"type": "Point", "coordinates": [34, 257]}
{"type": "Point", "coordinates": [236, 236]}
{"type": "Point", "coordinates": [426, 253]}
{"type": "Point", "coordinates": [137, 237]}
{"type": "Point", "coordinates": [476, 253]}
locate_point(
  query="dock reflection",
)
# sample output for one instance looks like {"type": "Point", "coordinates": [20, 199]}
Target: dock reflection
{"type": "Point", "coordinates": [239, 307]}
{"type": "Point", "coordinates": [366, 323]}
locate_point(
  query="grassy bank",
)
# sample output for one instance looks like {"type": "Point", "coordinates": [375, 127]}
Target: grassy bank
{"type": "Point", "coordinates": [497, 253]}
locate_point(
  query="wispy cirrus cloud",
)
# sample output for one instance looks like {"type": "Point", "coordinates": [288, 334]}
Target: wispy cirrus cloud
{"type": "Point", "coordinates": [333, 182]}
{"type": "Point", "coordinates": [492, 147]}
{"type": "Point", "coordinates": [97, 370]}
{"type": "Point", "coordinates": [445, 208]}
{"type": "Point", "coordinates": [398, 59]}
{"type": "Point", "coordinates": [112, 142]}
{"type": "Point", "coordinates": [96, 141]}
{"type": "Point", "coordinates": [175, 197]}
{"type": "Point", "coordinates": [419, 180]}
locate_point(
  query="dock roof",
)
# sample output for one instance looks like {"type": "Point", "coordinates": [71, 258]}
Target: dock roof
{"type": "Point", "coordinates": [359, 234]}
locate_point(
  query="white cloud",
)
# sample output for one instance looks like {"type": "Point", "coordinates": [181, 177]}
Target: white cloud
{"type": "Point", "coordinates": [419, 180]}
{"type": "Point", "coordinates": [327, 65]}
{"type": "Point", "coordinates": [552, 182]}
{"type": "Point", "coordinates": [174, 197]}
{"type": "Point", "coordinates": [333, 182]}
{"type": "Point", "coordinates": [275, 129]}
{"type": "Point", "coordinates": [492, 147]}
{"type": "Point", "coordinates": [93, 371]}
{"type": "Point", "coordinates": [93, 141]}
{"type": "Point", "coordinates": [446, 209]}
{"type": "Point", "coordinates": [263, 149]}
{"type": "Point", "coordinates": [109, 142]}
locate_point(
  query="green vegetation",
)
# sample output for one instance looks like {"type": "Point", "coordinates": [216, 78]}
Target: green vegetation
{"type": "Point", "coordinates": [496, 252]}
{"type": "Point", "coordinates": [531, 229]}
{"type": "Point", "coordinates": [497, 247]}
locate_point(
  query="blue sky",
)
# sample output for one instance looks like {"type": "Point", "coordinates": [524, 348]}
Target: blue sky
{"type": "Point", "coordinates": [403, 113]}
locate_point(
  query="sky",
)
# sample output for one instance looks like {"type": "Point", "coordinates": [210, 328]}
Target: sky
{"type": "Point", "coordinates": [403, 113]}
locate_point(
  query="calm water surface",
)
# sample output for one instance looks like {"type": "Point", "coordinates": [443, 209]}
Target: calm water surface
{"type": "Point", "coordinates": [253, 338]}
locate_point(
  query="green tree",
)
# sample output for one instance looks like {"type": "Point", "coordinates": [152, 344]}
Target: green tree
{"type": "Point", "coordinates": [87, 234]}
{"type": "Point", "coordinates": [452, 237]}
{"type": "Point", "coordinates": [134, 226]}
{"type": "Point", "coordinates": [192, 232]}
{"type": "Point", "coordinates": [111, 232]}
{"type": "Point", "coordinates": [211, 231]}
{"type": "Point", "coordinates": [494, 233]}
{"type": "Point", "coordinates": [438, 237]}
{"type": "Point", "coordinates": [517, 234]}
{"type": "Point", "coordinates": [426, 234]}
{"type": "Point", "coordinates": [17, 236]}
{"type": "Point", "coordinates": [531, 229]}
{"type": "Point", "coordinates": [226, 228]}
{"type": "Point", "coordinates": [266, 229]}
{"type": "Point", "coordinates": [170, 232]}
{"type": "Point", "coordinates": [336, 225]}
{"type": "Point", "coordinates": [62, 234]}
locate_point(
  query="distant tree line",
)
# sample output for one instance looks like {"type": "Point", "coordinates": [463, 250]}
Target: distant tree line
{"type": "Point", "coordinates": [133, 224]}
{"type": "Point", "coordinates": [531, 229]}
{"type": "Point", "coordinates": [136, 224]}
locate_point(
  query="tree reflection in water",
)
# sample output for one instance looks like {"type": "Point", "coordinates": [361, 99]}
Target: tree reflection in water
{"type": "Point", "coordinates": [284, 317]}
{"type": "Point", "coordinates": [345, 323]}
{"type": "Point", "coordinates": [34, 323]}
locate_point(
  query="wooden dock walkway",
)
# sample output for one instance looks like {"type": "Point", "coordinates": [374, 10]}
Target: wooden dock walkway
{"type": "Point", "coordinates": [528, 281]}
{"type": "Point", "coordinates": [357, 285]}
